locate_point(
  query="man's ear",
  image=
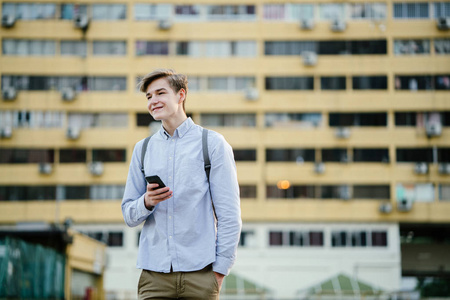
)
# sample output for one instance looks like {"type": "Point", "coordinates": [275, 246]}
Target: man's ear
{"type": "Point", "coordinates": [182, 94]}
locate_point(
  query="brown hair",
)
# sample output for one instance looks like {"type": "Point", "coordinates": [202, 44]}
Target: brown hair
{"type": "Point", "coordinates": [176, 81]}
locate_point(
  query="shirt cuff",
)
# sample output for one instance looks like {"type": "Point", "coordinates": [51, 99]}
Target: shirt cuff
{"type": "Point", "coordinates": [222, 265]}
{"type": "Point", "coordinates": [143, 211]}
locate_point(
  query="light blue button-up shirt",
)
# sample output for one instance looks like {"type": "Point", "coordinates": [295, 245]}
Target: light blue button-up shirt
{"type": "Point", "coordinates": [181, 231]}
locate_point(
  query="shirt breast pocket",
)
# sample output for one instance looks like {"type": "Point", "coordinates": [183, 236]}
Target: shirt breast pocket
{"type": "Point", "coordinates": [191, 174]}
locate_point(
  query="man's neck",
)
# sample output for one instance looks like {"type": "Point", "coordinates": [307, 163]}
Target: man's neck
{"type": "Point", "coordinates": [171, 125]}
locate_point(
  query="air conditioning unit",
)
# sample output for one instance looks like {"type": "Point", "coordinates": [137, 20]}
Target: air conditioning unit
{"type": "Point", "coordinates": [165, 24]}
{"type": "Point", "coordinates": [8, 21]}
{"type": "Point", "coordinates": [385, 208]}
{"type": "Point", "coordinates": [404, 204]}
{"type": "Point", "coordinates": [307, 24]}
{"type": "Point", "coordinates": [344, 192]}
{"type": "Point", "coordinates": [73, 133]}
{"type": "Point", "coordinates": [81, 21]}
{"type": "Point", "coordinates": [342, 132]}
{"type": "Point", "coordinates": [319, 168]}
{"type": "Point", "coordinates": [338, 25]}
{"type": "Point", "coordinates": [9, 93]}
{"type": "Point", "coordinates": [344, 158]}
{"type": "Point", "coordinates": [45, 168]}
{"type": "Point", "coordinates": [96, 168]}
{"type": "Point", "coordinates": [68, 94]}
{"type": "Point", "coordinates": [433, 129]}
{"type": "Point", "coordinates": [443, 23]}
{"type": "Point", "coordinates": [444, 168]}
{"type": "Point", "coordinates": [251, 94]}
{"type": "Point", "coordinates": [309, 58]}
{"type": "Point", "coordinates": [421, 168]}
{"type": "Point", "coordinates": [6, 132]}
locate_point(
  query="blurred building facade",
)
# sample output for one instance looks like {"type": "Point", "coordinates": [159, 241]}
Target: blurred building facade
{"type": "Point", "coordinates": [338, 113]}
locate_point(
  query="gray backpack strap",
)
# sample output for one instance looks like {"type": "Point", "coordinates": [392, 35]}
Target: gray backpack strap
{"type": "Point", "coordinates": [205, 153]}
{"type": "Point", "coordinates": [207, 163]}
{"type": "Point", "coordinates": [144, 149]}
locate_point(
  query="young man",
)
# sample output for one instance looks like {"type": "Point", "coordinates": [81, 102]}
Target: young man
{"type": "Point", "coordinates": [184, 253]}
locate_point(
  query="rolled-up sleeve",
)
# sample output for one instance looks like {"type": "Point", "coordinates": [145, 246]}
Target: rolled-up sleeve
{"type": "Point", "coordinates": [225, 196]}
{"type": "Point", "coordinates": [133, 206]}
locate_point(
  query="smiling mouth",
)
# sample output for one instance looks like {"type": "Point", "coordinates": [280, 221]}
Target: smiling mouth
{"type": "Point", "coordinates": [156, 108]}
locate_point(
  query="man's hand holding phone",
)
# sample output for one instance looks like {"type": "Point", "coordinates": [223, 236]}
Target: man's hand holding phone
{"type": "Point", "coordinates": [156, 192]}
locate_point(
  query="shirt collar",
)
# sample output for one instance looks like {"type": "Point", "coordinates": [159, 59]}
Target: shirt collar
{"type": "Point", "coordinates": [180, 131]}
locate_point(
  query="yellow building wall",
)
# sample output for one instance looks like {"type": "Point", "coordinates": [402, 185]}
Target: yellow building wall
{"type": "Point", "coordinates": [259, 173]}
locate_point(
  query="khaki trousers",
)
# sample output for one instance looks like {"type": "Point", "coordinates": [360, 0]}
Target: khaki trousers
{"type": "Point", "coordinates": [198, 285]}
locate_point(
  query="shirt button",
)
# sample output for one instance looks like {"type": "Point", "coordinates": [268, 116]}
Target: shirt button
{"type": "Point", "coordinates": [170, 177]}
{"type": "Point", "coordinates": [170, 236]}
{"type": "Point", "coordinates": [170, 217]}
{"type": "Point", "coordinates": [170, 158]}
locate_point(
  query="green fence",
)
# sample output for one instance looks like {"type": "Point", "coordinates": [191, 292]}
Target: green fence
{"type": "Point", "coordinates": [29, 271]}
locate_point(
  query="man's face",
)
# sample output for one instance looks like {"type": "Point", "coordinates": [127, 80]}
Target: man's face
{"type": "Point", "coordinates": [162, 102]}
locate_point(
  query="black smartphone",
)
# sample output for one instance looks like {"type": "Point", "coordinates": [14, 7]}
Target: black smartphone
{"type": "Point", "coordinates": [155, 179]}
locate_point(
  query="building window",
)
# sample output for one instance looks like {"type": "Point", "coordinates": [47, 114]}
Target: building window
{"type": "Point", "coordinates": [441, 9]}
{"type": "Point", "coordinates": [29, 47]}
{"type": "Point", "coordinates": [293, 120]}
{"type": "Point", "coordinates": [418, 10]}
{"type": "Point", "coordinates": [110, 48]}
{"type": "Point", "coordinates": [410, 47]}
{"type": "Point", "coordinates": [26, 193]}
{"type": "Point", "coordinates": [32, 119]}
{"type": "Point", "coordinates": [69, 11]}
{"type": "Point", "coordinates": [296, 238]}
{"type": "Point", "coordinates": [335, 155]}
{"type": "Point", "coordinates": [415, 192]}
{"type": "Point", "coordinates": [332, 11]}
{"type": "Point", "coordinates": [109, 155]}
{"type": "Point", "coordinates": [292, 155]}
{"type": "Point", "coordinates": [335, 192]}
{"type": "Point", "coordinates": [442, 46]}
{"type": "Point", "coordinates": [339, 239]}
{"type": "Point", "coordinates": [371, 155]}
{"type": "Point", "coordinates": [414, 155]}
{"type": "Point", "coordinates": [443, 155]}
{"type": "Point", "coordinates": [444, 192]}
{"type": "Point", "coordinates": [228, 120]}
{"type": "Point", "coordinates": [292, 192]}
{"type": "Point", "coordinates": [333, 83]}
{"type": "Point", "coordinates": [247, 191]}
{"type": "Point", "coordinates": [45, 83]}
{"type": "Point", "coordinates": [230, 84]}
{"type": "Point", "coordinates": [442, 82]}
{"type": "Point", "coordinates": [26, 156]}
{"type": "Point", "coordinates": [112, 239]}
{"type": "Point", "coordinates": [152, 48]}
{"type": "Point", "coordinates": [109, 12]}
{"type": "Point", "coordinates": [357, 119]}
{"type": "Point", "coordinates": [414, 83]}
{"type": "Point", "coordinates": [289, 47]}
{"type": "Point", "coordinates": [288, 12]}
{"type": "Point", "coordinates": [73, 48]}
{"type": "Point", "coordinates": [187, 12]}
{"type": "Point", "coordinates": [100, 120]}
{"type": "Point", "coordinates": [371, 11]}
{"type": "Point", "coordinates": [364, 47]}
{"type": "Point", "coordinates": [379, 239]}
{"type": "Point", "coordinates": [289, 83]}
{"type": "Point", "coordinates": [228, 49]}
{"type": "Point", "coordinates": [231, 12]}
{"type": "Point", "coordinates": [106, 192]}
{"type": "Point", "coordinates": [144, 119]}
{"type": "Point", "coordinates": [29, 11]}
{"type": "Point", "coordinates": [72, 192]}
{"type": "Point", "coordinates": [369, 82]}
{"type": "Point", "coordinates": [247, 239]}
{"type": "Point", "coordinates": [371, 192]}
{"type": "Point", "coordinates": [244, 154]}
{"type": "Point", "coordinates": [72, 155]}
